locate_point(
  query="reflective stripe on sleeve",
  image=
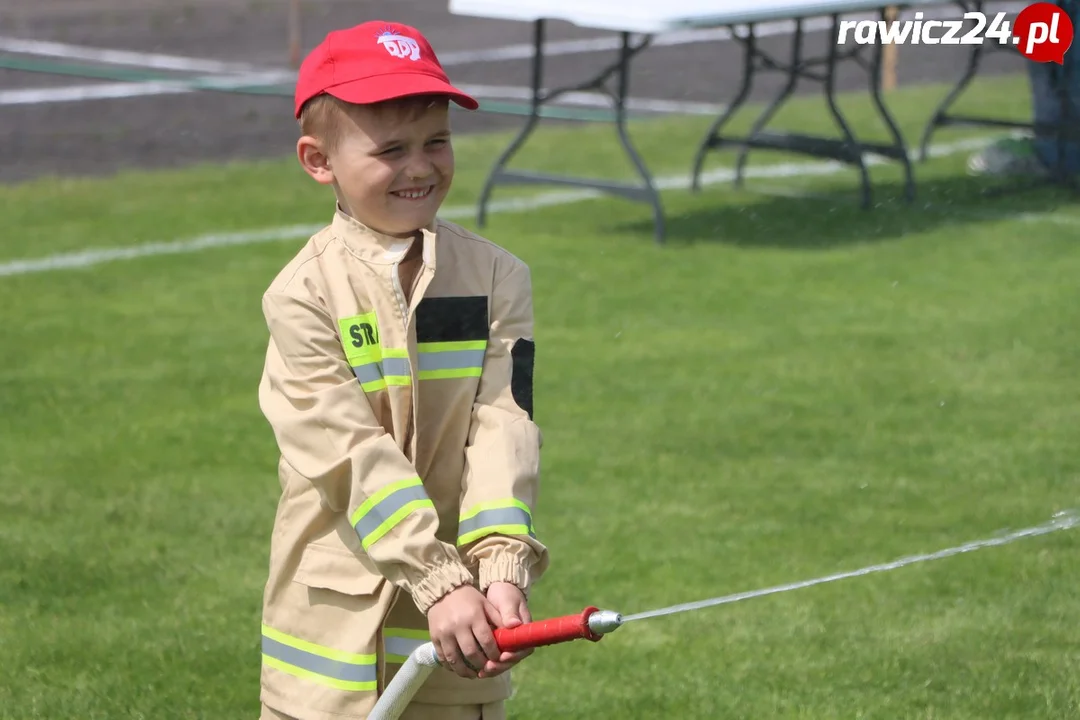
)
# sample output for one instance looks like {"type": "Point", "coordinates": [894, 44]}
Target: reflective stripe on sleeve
{"type": "Point", "coordinates": [387, 507]}
{"type": "Point", "coordinates": [390, 368]}
{"type": "Point", "coordinates": [442, 360]}
{"type": "Point", "coordinates": [326, 666]}
{"type": "Point", "coordinates": [400, 643]}
{"type": "Point", "coordinates": [508, 517]}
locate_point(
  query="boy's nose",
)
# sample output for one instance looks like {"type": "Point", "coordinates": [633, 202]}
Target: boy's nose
{"type": "Point", "coordinates": [419, 167]}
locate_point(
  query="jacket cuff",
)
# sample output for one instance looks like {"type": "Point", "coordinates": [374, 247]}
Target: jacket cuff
{"type": "Point", "coordinates": [503, 567]}
{"type": "Point", "coordinates": [439, 582]}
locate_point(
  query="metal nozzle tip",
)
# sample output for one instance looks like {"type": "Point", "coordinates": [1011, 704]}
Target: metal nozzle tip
{"type": "Point", "coordinates": [604, 621]}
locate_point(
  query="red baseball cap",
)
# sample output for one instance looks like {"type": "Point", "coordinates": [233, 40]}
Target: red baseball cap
{"type": "Point", "coordinates": [373, 62]}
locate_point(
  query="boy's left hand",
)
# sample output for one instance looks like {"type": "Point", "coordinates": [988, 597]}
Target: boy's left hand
{"type": "Point", "coordinates": [513, 608]}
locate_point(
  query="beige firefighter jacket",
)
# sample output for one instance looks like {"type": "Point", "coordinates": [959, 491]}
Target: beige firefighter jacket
{"type": "Point", "coordinates": [409, 458]}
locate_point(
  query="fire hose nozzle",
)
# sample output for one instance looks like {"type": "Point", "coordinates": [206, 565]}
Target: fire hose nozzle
{"type": "Point", "coordinates": [591, 624]}
{"type": "Point", "coordinates": [602, 622]}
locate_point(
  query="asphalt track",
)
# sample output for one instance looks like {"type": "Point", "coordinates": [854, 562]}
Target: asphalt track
{"type": "Point", "coordinates": [42, 136]}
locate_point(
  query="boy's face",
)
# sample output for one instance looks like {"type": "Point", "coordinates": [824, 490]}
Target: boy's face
{"type": "Point", "coordinates": [392, 168]}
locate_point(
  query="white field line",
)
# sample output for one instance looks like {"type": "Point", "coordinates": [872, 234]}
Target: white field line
{"type": "Point", "coordinates": [517, 51]}
{"type": "Point", "coordinates": [91, 257]}
{"type": "Point", "coordinates": [587, 99]}
{"type": "Point", "coordinates": [120, 90]}
{"type": "Point", "coordinates": [1061, 521]}
{"type": "Point", "coordinates": [110, 56]}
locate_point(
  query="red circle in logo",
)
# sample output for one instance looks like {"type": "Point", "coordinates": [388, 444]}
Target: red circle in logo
{"type": "Point", "coordinates": [1043, 32]}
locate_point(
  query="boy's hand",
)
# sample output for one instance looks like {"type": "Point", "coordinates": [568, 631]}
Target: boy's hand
{"type": "Point", "coordinates": [513, 610]}
{"type": "Point", "coordinates": [460, 626]}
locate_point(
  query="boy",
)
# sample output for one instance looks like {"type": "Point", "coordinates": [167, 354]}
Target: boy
{"type": "Point", "coordinates": [398, 383]}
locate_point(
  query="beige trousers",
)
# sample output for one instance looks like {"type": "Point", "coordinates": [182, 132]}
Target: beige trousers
{"type": "Point", "coordinates": [420, 711]}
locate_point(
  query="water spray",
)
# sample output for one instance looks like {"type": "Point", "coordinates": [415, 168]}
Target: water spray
{"type": "Point", "coordinates": [593, 624]}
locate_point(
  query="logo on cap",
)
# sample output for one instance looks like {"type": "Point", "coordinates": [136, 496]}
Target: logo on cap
{"type": "Point", "coordinates": [398, 45]}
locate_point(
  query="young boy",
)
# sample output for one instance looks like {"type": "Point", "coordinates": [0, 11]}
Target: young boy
{"type": "Point", "coordinates": [398, 383]}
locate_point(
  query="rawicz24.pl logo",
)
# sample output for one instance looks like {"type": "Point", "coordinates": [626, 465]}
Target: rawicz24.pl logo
{"type": "Point", "coordinates": [1042, 32]}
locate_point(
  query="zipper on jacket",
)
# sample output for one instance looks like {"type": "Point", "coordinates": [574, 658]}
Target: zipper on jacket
{"type": "Point", "coordinates": [399, 293]}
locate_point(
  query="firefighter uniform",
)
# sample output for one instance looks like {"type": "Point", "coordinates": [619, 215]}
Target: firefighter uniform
{"type": "Point", "coordinates": [409, 460]}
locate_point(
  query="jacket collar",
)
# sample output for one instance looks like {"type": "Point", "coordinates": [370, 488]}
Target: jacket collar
{"type": "Point", "coordinates": [375, 247]}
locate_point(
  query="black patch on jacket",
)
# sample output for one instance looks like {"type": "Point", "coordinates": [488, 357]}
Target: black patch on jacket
{"type": "Point", "coordinates": [452, 319]}
{"type": "Point", "coordinates": [521, 379]}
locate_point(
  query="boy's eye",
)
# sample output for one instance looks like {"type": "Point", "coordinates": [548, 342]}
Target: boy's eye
{"type": "Point", "coordinates": [391, 150]}
{"type": "Point", "coordinates": [438, 142]}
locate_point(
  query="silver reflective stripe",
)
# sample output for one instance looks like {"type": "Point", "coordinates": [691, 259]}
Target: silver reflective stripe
{"type": "Point", "coordinates": [402, 646]}
{"type": "Point", "coordinates": [395, 366]}
{"type": "Point", "coordinates": [393, 502]}
{"type": "Point", "coordinates": [336, 669]}
{"type": "Point", "coordinates": [451, 360]}
{"type": "Point", "coordinates": [490, 518]}
{"type": "Point", "coordinates": [367, 373]}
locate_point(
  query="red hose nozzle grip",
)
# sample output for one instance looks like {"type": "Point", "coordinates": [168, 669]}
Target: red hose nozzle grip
{"type": "Point", "coordinates": [547, 632]}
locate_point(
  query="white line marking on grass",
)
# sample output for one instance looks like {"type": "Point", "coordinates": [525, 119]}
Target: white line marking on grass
{"type": "Point", "coordinates": [91, 257]}
{"type": "Point", "coordinates": [110, 56]}
{"type": "Point", "coordinates": [119, 90]}
{"type": "Point", "coordinates": [587, 99]}
{"type": "Point", "coordinates": [88, 258]}
{"type": "Point", "coordinates": [113, 91]}
{"type": "Point", "coordinates": [1057, 219]}
{"type": "Point", "coordinates": [1065, 520]}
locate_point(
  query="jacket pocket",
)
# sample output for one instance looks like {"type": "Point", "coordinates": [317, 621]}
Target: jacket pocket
{"type": "Point", "coordinates": [338, 570]}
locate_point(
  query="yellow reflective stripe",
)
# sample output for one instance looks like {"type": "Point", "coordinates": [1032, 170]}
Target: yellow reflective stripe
{"type": "Point", "coordinates": [303, 659]}
{"type": "Point", "coordinates": [394, 520]}
{"type": "Point", "coordinates": [321, 679]}
{"type": "Point", "coordinates": [447, 360]}
{"type": "Point", "coordinates": [495, 505]}
{"type": "Point", "coordinates": [492, 530]}
{"type": "Point", "coordinates": [377, 515]}
{"type": "Point", "coordinates": [410, 633]}
{"type": "Point", "coordinates": [434, 347]}
{"type": "Point", "coordinates": [448, 374]}
{"type": "Point", "coordinates": [400, 642]}
{"type": "Point", "coordinates": [508, 517]}
{"type": "Point", "coordinates": [381, 494]}
{"type": "Point", "coordinates": [314, 649]}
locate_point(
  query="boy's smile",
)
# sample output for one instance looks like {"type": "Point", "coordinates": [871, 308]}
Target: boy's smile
{"type": "Point", "coordinates": [413, 193]}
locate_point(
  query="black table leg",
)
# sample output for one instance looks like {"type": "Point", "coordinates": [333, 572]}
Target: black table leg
{"type": "Point", "coordinates": [712, 137]}
{"type": "Point", "coordinates": [643, 191]}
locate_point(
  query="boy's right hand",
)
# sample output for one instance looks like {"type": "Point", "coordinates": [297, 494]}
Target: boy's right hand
{"type": "Point", "coordinates": [460, 625]}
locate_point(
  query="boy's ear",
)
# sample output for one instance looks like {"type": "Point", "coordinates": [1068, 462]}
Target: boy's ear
{"type": "Point", "coordinates": [313, 158]}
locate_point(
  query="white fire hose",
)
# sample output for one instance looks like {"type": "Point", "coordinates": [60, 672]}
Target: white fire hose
{"type": "Point", "coordinates": [408, 680]}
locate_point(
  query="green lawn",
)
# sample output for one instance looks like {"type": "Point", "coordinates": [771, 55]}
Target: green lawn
{"type": "Point", "coordinates": [792, 387]}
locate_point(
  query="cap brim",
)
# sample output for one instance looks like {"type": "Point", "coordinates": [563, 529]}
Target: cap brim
{"type": "Point", "coordinates": [398, 85]}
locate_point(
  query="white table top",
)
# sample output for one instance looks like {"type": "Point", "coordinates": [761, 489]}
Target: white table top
{"type": "Point", "coordinates": [658, 16]}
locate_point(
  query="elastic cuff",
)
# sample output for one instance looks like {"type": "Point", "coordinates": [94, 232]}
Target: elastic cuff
{"type": "Point", "coordinates": [503, 568]}
{"type": "Point", "coordinates": [438, 583]}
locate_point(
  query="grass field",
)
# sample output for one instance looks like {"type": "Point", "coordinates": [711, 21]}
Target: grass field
{"type": "Point", "coordinates": [792, 387]}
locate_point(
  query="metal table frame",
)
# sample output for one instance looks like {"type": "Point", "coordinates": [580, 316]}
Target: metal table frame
{"type": "Point", "coordinates": [644, 191]}
{"type": "Point", "coordinates": [848, 149]}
